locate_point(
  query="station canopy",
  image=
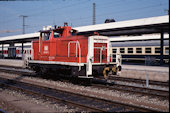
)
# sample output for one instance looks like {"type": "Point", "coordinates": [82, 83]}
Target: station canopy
{"type": "Point", "coordinates": [131, 27]}
{"type": "Point", "coordinates": [19, 38]}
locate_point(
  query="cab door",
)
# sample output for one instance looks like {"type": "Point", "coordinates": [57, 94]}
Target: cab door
{"type": "Point", "coordinates": [45, 45]}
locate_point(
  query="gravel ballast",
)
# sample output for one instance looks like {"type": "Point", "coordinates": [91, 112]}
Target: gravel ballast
{"type": "Point", "coordinates": [100, 93]}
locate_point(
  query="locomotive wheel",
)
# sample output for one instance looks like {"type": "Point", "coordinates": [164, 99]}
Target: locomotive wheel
{"type": "Point", "coordinates": [85, 81]}
{"type": "Point", "coordinates": [74, 72]}
{"type": "Point", "coordinates": [37, 70]}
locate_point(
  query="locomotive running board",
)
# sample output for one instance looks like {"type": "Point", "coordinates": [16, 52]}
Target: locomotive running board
{"type": "Point", "coordinates": [57, 63]}
{"type": "Point", "coordinates": [85, 77]}
{"type": "Point", "coordinates": [103, 63]}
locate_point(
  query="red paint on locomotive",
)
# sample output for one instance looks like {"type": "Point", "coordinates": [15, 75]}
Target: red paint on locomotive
{"type": "Point", "coordinates": [63, 51]}
{"type": "Point", "coordinates": [56, 47]}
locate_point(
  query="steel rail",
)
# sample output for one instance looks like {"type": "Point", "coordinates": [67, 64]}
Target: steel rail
{"type": "Point", "coordinates": [52, 97]}
{"type": "Point", "coordinates": [127, 88]}
{"type": "Point", "coordinates": [115, 78]}
{"type": "Point", "coordinates": [134, 89]}
{"type": "Point", "coordinates": [141, 81]}
{"type": "Point", "coordinates": [129, 106]}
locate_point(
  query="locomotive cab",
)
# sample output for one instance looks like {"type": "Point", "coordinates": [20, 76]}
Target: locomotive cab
{"type": "Point", "coordinates": [99, 60]}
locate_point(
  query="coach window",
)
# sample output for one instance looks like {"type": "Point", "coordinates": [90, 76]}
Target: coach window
{"type": "Point", "coordinates": [166, 50]}
{"type": "Point", "coordinates": [130, 50]}
{"type": "Point", "coordinates": [114, 50]}
{"type": "Point", "coordinates": [138, 50]}
{"type": "Point", "coordinates": [147, 50]}
{"type": "Point", "coordinates": [122, 50]}
{"type": "Point", "coordinates": [157, 50]}
{"type": "Point", "coordinates": [45, 36]}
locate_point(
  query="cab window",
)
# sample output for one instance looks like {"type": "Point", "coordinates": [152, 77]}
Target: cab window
{"type": "Point", "coordinates": [46, 36]}
{"type": "Point", "coordinates": [56, 35]}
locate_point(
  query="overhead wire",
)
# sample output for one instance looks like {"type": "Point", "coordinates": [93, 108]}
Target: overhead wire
{"type": "Point", "coordinates": [134, 12]}
{"type": "Point", "coordinates": [99, 16]}
{"type": "Point", "coordinates": [115, 3]}
{"type": "Point", "coordinates": [82, 18]}
{"type": "Point", "coordinates": [124, 11]}
{"type": "Point", "coordinates": [54, 9]}
{"type": "Point", "coordinates": [36, 13]}
{"type": "Point", "coordinates": [47, 11]}
{"type": "Point", "coordinates": [118, 12]}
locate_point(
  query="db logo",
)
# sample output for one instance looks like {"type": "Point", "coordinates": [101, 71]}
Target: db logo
{"type": "Point", "coordinates": [45, 49]}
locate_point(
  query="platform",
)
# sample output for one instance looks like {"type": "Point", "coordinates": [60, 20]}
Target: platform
{"type": "Point", "coordinates": [157, 73]}
{"type": "Point", "coordinates": [12, 63]}
{"type": "Point", "coordinates": [146, 68]}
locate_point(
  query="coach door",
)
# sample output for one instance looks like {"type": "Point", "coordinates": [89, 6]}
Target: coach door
{"type": "Point", "coordinates": [12, 52]}
{"type": "Point", "coordinates": [45, 45]}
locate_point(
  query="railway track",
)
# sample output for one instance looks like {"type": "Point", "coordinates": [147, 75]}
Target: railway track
{"type": "Point", "coordinates": [72, 99]}
{"type": "Point", "coordinates": [17, 70]}
{"type": "Point", "coordinates": [164, 94]}
{"type": "Point", "coordinates": [158, 93]}
{"type": "Point", "coordinates": [139, 81]}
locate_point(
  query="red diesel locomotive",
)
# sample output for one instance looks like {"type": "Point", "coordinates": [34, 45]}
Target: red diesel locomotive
{"type": "Point", "coordinates": [61, 50]}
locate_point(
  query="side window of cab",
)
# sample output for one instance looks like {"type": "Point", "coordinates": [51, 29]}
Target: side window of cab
{"type": "Point", "coordinates": [45, 36]}
{"type": "Point", "coordinates": [56, 35]}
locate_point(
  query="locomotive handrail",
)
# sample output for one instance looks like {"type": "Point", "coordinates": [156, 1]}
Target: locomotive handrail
{"type": "Point", "coordinates": [118, 58]}
{"type": "Point", "coordinates": [39, 44]}
{"type": "Point", "coordinates": [101, 50]}
{"type": "Point", "coordinates": [77, 43]}
{"type": "Point", "coordinates": [27, 56]}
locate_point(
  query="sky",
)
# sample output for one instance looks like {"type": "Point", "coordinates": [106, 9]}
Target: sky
{"type": "Point", "coordinates": [75, 12]}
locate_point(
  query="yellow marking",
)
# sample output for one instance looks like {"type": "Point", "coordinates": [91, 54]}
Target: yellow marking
{"type": "Point", "coordinates": [114, 69]}
{"type": "Point", "coordinates": [104, 71]}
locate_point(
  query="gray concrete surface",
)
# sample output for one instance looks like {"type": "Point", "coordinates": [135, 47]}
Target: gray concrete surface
{"type": "Point", "coordinates": [146, 68]}
{"type": "Point", "coordinates": [11, 62]}
{"type": "Point", "coordinates": [156, 73]}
